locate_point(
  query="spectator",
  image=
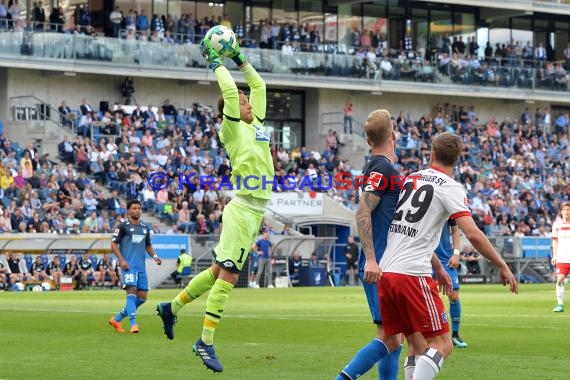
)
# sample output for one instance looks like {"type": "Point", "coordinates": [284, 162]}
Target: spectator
{"type": "Point", "coordinates": [105, 268]}
{"type": "Point", "coordinates": [351, 258]}
{"type": "Point", "coordinates": [16, 270]}
{"type": "Point", "coordinates": [348, 113]}
{"type": "Point", "coordinates": [471, 258]}
{"type": "Point", "coordinates": [38, 271]}
{"type": "Point", "coordinates": [86, 270]}
{"type": "Point", "coordinates": [54, 271]}
{"type": "Point", "coordinates": [116, 18]}
{"type": "Point", "coordinates": [264, 262]}
{"type": "Point", "coordinates": [72, 270]}
{"type": "Point", "coordinates": [184, 261]}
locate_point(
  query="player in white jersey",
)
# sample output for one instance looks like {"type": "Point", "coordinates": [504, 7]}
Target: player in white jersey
{"type": "Point", "coordinates": [561, 254]}
{"type": "Point", "coordinates": [409, 299]}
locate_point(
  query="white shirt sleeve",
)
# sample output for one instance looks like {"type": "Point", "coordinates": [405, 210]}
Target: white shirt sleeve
{"type": "Point", "coordinates": [456, 202]}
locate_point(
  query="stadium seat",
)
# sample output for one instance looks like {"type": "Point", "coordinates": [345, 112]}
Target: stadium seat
{"type": "Point", "coordinates": [29, 261]}
{"type": "Point", "coordinates": [62, 260]}
{"type": "Point", "coordinates": [186, 275]}
{"type": "Point", "coordinates": [45, 260]}
{"type": "Point", "coordinates": [94, 261]}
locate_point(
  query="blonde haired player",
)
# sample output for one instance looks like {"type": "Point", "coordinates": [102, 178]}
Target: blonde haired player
{"type": "Point", "coordinates": [561, 254]}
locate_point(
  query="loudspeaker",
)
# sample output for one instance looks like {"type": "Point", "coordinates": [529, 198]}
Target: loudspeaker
{"type": "Point", "coordinates": [103, 106]}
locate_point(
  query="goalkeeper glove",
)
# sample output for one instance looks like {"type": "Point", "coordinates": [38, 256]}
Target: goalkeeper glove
{"type": "Point", "coordinates": [210, 54]}
{"type": "Point", "coordinates": [237, 56]}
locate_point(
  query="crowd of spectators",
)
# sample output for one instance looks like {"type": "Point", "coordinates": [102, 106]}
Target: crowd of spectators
{"type": "Point", "coordinates": [515, 169]}
{"type": "Point", "coordinates": [505, 65]}
{"type": "Point", "coordinates": [516, 63]}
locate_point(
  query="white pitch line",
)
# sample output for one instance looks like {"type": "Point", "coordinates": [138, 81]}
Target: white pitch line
{"type": "Point", "coordinates": [312, 318]}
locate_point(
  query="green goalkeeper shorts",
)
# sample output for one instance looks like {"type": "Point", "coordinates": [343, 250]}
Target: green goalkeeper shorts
{"type": "Point", "coordinates": [241, 220]}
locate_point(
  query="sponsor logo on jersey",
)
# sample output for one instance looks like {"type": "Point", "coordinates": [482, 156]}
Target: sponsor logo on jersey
{"type": "Point", "coordinates": [137, 238]}
{"type": "Point", "coordinates": [261, 134]}
{"type": "Point", "coordinates": [228, 264]}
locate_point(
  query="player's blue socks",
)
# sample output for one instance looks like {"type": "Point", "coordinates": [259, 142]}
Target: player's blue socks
{"type": "Point", "coordinates": [123, 313]}
{"type": "Point", "coordinates": [131, 308]}
{"type": "Point", "coordinates": [138, 302]}
{"type": "Point", "coordinates": [455, 314]}
{"type": "Point", "coordinates": [389, 366]}
{"type": "Point", "coordinates": [364, 360]}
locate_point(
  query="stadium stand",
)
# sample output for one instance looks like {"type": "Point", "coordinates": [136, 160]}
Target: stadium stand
{"type": "Point", "coordinates": [515, 169]}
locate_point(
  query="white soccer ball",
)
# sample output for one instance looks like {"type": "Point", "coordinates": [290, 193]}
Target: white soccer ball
{"type": "Point", "coordinates": [222, 39]}
{"type": "Point", "coordinates": [18, 286]}
{"type": "Point", "coordinates": [46, 286]}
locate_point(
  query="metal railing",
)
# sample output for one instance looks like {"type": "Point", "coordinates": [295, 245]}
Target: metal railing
{"type": "Point", "coordinates": [335, 121]}
{"type": "Point", "coordinates": [32, 108]}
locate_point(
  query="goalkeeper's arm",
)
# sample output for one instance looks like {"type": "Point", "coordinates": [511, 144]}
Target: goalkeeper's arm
{"type": "Point", "coordinates": [257, 97]}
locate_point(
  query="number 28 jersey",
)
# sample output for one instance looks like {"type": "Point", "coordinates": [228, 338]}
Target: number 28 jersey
{"type": "Point", "coordinates": [429, 198]}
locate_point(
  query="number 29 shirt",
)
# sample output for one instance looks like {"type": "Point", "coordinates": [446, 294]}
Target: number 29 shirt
{"type": "Point", "coordinates": [429, 198]}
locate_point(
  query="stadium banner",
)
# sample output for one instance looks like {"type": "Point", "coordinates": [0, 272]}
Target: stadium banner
{"type": "Point", "coordinates": [535, 247]}
{"type": "Point", "coordinates": [169, 246]}
{"type": "Point", "coordinates": [297, 203]}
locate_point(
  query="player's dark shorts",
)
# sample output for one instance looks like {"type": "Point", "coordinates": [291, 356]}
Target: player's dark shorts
{"type": "Point", "coordinates": [371, 292]}
{"type": "Point", "coordinates": [351, 265]}
{"type": "Point", "coordinates": [241, 220]}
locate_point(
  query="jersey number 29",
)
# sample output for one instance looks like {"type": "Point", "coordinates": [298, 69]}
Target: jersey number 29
{"type": "Point", "coordinates": [420, 201]}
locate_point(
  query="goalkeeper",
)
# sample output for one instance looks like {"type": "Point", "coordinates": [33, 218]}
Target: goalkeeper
{"type": "Point", "coordinates": [246, 141]}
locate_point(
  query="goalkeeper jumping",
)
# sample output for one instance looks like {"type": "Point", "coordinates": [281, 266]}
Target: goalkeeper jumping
{"type": "Point", "coordinates": [247, 143]}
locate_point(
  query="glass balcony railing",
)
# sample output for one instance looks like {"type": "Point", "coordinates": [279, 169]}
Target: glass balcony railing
{"type": "Point", "coordinates": [77, 48]}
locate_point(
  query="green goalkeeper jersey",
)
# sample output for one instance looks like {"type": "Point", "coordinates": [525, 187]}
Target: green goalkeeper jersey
{"type": "Point", "coordinates": [247, 145]}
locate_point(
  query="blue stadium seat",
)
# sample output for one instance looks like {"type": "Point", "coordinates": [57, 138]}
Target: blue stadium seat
{"type": "Point", "coordinates": [94, 261]}
{"type": "Point", "coordinates": [186, 271]}
{"type": "Point", "coordinates": [62, 260]}
{"type": "Point", "coordinates": [45, 260]}
{"type": "Point", "coordinates": [29, 261]}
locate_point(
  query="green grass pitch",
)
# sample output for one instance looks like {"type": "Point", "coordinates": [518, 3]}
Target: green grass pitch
{"type": "Point", "coordinates": [294, 333]}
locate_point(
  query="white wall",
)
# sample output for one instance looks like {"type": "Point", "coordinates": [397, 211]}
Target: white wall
{"type": "Point", "coordinates": [95, 88]}
{"type": "Point", "coordinates": [54, 89]}
{"type": "Point", "coordinates": [417, 105]}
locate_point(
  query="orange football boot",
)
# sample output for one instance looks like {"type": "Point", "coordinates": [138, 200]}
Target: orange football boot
{"type": "Point", "coordinates": [116, 325]}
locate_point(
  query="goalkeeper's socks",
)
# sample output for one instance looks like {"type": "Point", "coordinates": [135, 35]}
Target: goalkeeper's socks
{"type": "Point", "coordinates": [195, 288]}
{"type": "Point", "coordinates": [131, 308]}
{"type": "Point", "coordinates": [215, 305]}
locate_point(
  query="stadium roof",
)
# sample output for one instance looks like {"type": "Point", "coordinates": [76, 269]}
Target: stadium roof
{"type": "Point", "coordinates": [51, 242]}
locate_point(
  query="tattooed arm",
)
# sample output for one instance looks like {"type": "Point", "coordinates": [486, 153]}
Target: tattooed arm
{"type": "Point", "coordinates": [368, 202]}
